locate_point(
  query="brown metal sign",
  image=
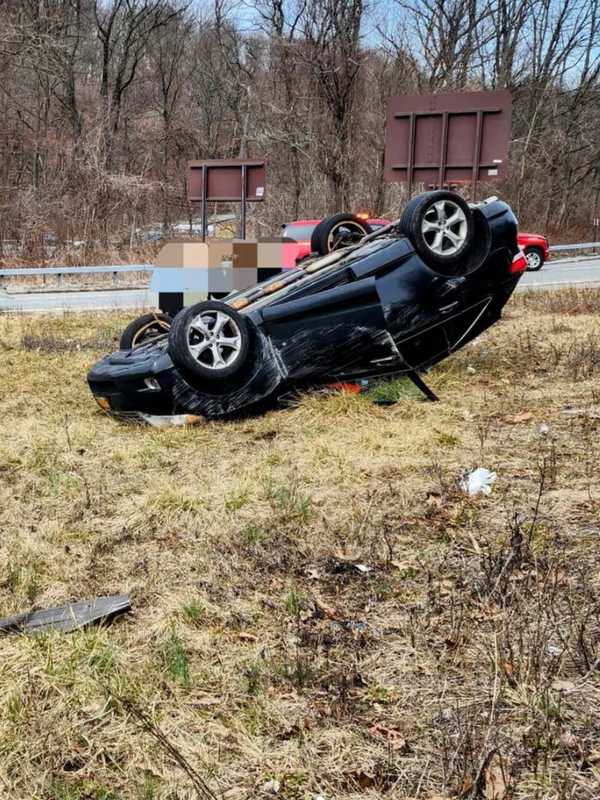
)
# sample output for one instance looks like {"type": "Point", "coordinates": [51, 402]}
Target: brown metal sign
{"type": "Point", "coordinates": [442, 139]}
{"type": "Point", "coordinates": [233, 180]}
{"type": "Point", "coordinates": [228, 180]}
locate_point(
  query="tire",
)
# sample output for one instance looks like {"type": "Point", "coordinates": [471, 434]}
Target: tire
{"type": "Point", "coordinates": [220, 335]}
{"type": "Point", "coordinates": [144, 329]}
{"type": "Point", "coordinates": [441, 228]}
{"type": "Point", "coordinates": [338, 231]}
{"type": "Point", "coordinates": [535, 259]}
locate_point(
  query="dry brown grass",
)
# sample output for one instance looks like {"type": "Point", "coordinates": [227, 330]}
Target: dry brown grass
{"type": "Point", "coordinates": [467, 654]}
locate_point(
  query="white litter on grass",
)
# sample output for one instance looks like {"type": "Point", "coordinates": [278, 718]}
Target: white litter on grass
{"type": "Point", "coordinates": [471, 370]}
{"type": "Point", "coordinates": [271, 787]}
{"type": "Point", "coordinates": [478, 482]}
{"type": "Point", "coordinates": [171, 420]}
{"type": "Point", "coordinates": [544, 429]}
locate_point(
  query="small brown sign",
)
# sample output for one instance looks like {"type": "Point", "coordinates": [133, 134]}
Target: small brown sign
{"type": "Point", "coordinates": [227, 180]}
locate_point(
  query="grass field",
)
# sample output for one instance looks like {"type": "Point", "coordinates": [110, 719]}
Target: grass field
{"type": "Point", "coordinates": [319, 610]}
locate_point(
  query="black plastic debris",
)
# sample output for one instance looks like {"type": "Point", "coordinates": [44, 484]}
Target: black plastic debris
{"type": "Point", "coordinates": [69, 617]}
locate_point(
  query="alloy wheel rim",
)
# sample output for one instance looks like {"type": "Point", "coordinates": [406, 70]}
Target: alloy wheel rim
{"type": "Point", "coordinates": [444, 227]}
{"type": "Point", "coordinates": [533, 259]}
{"type": "Point", "coordinates": [214, 340]}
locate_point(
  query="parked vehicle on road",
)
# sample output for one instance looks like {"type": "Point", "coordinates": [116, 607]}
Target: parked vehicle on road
{"type": "Point", "coordinates": [399, 300]}
{"type": "Point", "coordinates": [537, 250]}
{"type": "Point", "coordinates": [342, 229]}
{"type": "Point", "coordinates": [535, 245]}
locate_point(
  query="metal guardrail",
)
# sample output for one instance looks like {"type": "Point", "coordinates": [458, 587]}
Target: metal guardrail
{"type": "Point", "coordinates": [555, 248]}
{"type": "Point", "coordinates": [42, 271]}
{"type": "Point", "coordinates": [121, 268]}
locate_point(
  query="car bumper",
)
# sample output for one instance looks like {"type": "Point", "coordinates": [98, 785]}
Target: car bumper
{"type": "Point", "coordinates": [134, 380]}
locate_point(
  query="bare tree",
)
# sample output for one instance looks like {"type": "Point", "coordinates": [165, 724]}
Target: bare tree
{"type": "Point", "coordinates": [332, 31]}
{"type": "Point", "coordinates": [124, 29]}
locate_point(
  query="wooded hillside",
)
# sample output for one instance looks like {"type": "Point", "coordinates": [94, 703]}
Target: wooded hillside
{"type": "Point", "coordinates": [102, 104]}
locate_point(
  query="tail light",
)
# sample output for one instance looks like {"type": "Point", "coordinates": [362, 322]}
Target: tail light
{"type": "Point", "coordinates": [519, 263]}
{"type": "Point", "coordinates": [362, 215]}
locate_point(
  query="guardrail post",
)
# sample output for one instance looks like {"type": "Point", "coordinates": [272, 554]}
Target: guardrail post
{"type": "Point", "coordinates": [114, 277]}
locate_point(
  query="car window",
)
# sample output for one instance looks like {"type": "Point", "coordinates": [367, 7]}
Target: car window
{"type": "Point", "coordinates": [299, 233]}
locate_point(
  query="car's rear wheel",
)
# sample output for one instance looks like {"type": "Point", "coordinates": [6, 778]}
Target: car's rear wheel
{"type": "Point", "coordinates": [441, 228]}
{"type": "Point", "coordinates": [535, 259]}
{"type": "Point", "coordinates": [209, 341]}
{"type": "Point", "coordinates": [144, 329]}
{"type": "Point", "coordinates": [340, 230]}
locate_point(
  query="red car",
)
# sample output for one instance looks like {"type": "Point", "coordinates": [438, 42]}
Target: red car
{"type": "Point", "coordinates": [301, 230]}
{"type": "Point", "coordinates": [536, 249]}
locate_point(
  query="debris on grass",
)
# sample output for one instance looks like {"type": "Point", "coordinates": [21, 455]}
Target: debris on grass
{"type": "Point", "coordinates": [271, 787]}
{"type": "Point", "coordinates": [171, 420]}
{"type": "Point", "coordinates": [67, 618]}
{"type": "Point", "coordinates": [478, 482]}
{"type": "Point", "coordinates": [590, 413]}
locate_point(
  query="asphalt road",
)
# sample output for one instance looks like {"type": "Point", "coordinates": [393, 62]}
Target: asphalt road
{"type": "Point", "coordinates": [583, 272]}
{"type": "Point", "coordinates": [104, 300]}
{"type": "Point", "coordinates": [572, 272]}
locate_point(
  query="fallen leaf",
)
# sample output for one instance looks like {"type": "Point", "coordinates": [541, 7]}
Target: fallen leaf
{"type": "Point", "coordinates": [496, 787]}
{"type": "Point", "coordinates": [247, 637]}
{"type": "Point", "coordinates": [393, 737]}
{"type": "Point", "coordinates": [325, 610]}
{"type": "Point", "coordinates": [434, 499]}
{"type": "Point", "coordinates": [523, 416]}
{"type": "Point", "coordinates": [363, 779]}
{"type": "Point", "coordinates": [569, 740]}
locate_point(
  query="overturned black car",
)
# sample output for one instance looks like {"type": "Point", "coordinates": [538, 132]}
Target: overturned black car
{"type": "Point", "coordinates": [395, 302]}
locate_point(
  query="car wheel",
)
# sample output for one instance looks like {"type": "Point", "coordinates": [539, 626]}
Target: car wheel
{"type": "Point", "coordinates": [535, 259]}
{"type": "Point", "coordinates": [209, 340]}
{"type": "Point", "coordinates": [144, 329]}
{"type": "Point", "coordinates": [441, 228]}
{"type": "Point", "coordinates": [333, 233]}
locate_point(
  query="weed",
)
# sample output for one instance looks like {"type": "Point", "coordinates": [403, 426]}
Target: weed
{"type": "Point", "coordinates": [253, 675]}
{"type": "Point", "coordinates": [175, 658]}
{"type": "Point", "coordinates": [237, 500]}
{"type": "Point", "coordinates": [253, 534]}
{"type": "Point", "coordinates": [193, 611]}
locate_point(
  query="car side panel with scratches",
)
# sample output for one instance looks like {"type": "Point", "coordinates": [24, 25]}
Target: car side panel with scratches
{"type": "Point", "coordinates": [379, 310]}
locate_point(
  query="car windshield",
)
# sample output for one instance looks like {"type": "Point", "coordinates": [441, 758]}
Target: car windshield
{"type": "Point", "coordinates": [299, 233]}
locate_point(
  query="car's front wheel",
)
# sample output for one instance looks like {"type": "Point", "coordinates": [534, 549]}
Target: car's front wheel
{"type": "Point", "coordinates": [209, 341]}
{"type": "Point", "coordinates": [535, 259]}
